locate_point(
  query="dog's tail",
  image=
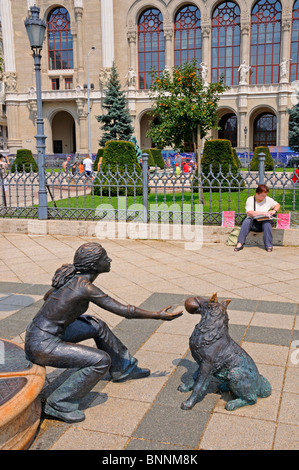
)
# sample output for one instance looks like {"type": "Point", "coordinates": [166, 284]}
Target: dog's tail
{"type": "Point", "coordinates": [265, 388]}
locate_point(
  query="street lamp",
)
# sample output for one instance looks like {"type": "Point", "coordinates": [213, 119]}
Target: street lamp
{"type": "Point", "coordinates": [88, 100]}
{"type": "Point", "coordinates": [245, 133]}
{"type": "Point", "coordinates": [36, 29]}
{"type": "Point", "coordinates": [262, 158]}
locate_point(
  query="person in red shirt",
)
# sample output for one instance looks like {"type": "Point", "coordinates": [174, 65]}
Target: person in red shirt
{"type": "Point", "coordinates": [186, 167]}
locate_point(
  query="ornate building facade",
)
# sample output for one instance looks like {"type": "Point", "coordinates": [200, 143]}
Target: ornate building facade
{"type": "Point", "coordinates": [254, 44]}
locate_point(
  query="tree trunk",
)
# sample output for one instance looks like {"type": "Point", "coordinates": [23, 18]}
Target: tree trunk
{"type": "Point", "coordinates": [198, 160]}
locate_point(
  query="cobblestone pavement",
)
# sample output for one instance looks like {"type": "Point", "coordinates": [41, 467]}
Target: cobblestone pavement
{"type": "Point", "coordinates": [145, 414]}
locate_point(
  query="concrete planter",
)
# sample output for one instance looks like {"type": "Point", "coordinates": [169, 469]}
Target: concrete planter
{"type": "Point", "coordinates": [20, 409]}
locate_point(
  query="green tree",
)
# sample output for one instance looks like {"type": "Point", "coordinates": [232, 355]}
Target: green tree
{"type": "Point", "coordinates": [269, 163]}
{"type": "Point", "coordinates": [24, 161]}
{"type": "Point", "coordinates": [294, 127]}
{"type": "Point", "coordinates": [116, 121]}
{"type": "Point", "coordinates": [184, 106]}
{"type": "Point", "coordinates": [121, 173]}
{"type": "Point", "coordinates": [218, 154]}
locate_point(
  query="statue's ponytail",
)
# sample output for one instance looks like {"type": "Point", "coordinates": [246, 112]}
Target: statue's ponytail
{"type": "Point", "coordinates": [62, 275]}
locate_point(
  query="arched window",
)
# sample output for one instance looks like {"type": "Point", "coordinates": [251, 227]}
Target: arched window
{"type": "Point", "coordinates": [228, 128]}
{"type": "Point", "coordinates": [264, 130]}
{"type": "Point", "coordinates": [60, 40]}
{"type": "Point", "coordinates": [187, 35]}
{"type": "Point", "coordinates": [265, 42]}
{"type": "Point", "coordinates": [151, 46]}
{"type": "Point", "coordinates": [294, 68]}
{"type": "Point", "coordinates": [226, 43]}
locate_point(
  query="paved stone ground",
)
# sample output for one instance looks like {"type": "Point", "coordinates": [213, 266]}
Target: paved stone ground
{"type": "Point", "coordinates": [146, 414]}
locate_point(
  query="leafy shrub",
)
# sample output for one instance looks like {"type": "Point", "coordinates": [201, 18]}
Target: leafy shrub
{"type": "Point", "coordinates": [151, 161]}
{"type": "Point", "coordinates": [24, 161]}
{"type": "Point", "coordinates": [158, 158]}
{"type": "Point", "coordinates": [269, 164]}
{"type": "Point", "coordinates": [219, 152]}
{"type": "Point", "coordinates": [236, 158]}
{"type": "Point", "coordinates": [119, 169]}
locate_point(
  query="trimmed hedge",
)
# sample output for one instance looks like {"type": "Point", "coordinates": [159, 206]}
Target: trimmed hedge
{"type": "Point", "coordinates": [236, 158]}
{"type": "Point", "coordinates": [151, 161]}
{"type": "Point", "coordinates": [219, 152]}
{"type": "Point", "coordinates": [24, 161]}
{"type": "Point", "coordinates": [155, 157]}
{"type": "Point", "coordinates": [119, 157]}
{"type": "Point", "coordinates": [269, 163]}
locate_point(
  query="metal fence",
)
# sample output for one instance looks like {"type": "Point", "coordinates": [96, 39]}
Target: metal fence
{"type": "Point", "coordinates": [150, 195]}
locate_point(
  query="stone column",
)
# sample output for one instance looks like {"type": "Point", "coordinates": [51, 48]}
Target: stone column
{"type": "Point", "coordinates": [245, 44]}
{"type": "Point", "coordinates": [284, 78]}
{"type": "Point", "coordinates": [107, 28]}
{"type": "Point", "coordinates": [10, 77]}
{"type": "Point", "coordinates": [79, 44]}
{"type": "Point", "coordinates": [8, 38]}
{"type": "Point", "coordinates": [14, 141]}
{"type": "Point", "coordinates": [132, 40]}
{"type": "Point", "coordinates": [241, 126]}
{"type": "Point", "coordinates": [168, 34]}
{"type": "Point", "coordinates": [284, 74]}
{"type": "Point", "coordinates": [206, 48]}
{"type": "Point", "coordinates": [81, 129]}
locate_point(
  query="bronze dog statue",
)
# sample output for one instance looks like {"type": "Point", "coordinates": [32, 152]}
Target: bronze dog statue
{"type": "Point", "coordinates": [218, 355]}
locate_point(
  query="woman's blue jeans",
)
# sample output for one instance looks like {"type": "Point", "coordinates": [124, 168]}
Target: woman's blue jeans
{"type": "Point", "coordinates": [267, 232]}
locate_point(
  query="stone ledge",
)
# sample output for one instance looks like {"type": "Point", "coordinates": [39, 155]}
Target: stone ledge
{"type": "Point", "coordinates": [139, 231]}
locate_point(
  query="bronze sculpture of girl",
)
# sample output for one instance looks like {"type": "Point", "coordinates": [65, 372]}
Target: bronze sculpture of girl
{"type": "Point", "coordinates": [53, 334]}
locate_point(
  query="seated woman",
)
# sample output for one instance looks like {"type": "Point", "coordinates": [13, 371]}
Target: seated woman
{"type": "Point", "coordinates": [259, 204]}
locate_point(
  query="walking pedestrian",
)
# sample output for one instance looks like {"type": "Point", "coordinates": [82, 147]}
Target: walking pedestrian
{"type": "Point", "coordinates": [66, 165]}
{"type": "Point", "coordinates": [87, 163]}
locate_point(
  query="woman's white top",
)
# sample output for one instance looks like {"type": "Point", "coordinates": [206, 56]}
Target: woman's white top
{"type": "Point", "coordinates": [264, 206]}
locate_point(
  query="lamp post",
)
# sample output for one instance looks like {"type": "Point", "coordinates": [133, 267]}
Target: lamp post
{"type": "Point", "coordinates": [262, 158]}
{"type": "Point", "coordinates": [36, 29]}
{"type": "Point", "coordinates": [88, 100]}
{"type": "Point", "coordinates": [245, 133]}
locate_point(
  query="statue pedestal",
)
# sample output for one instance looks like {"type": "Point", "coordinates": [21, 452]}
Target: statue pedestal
{"type": "Point", "coordinates": [20, 385]}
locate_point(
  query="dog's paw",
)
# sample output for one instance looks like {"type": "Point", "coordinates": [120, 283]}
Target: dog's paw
{"type": "Point", "coordinates": [186, 405]}
{"type": "Point", "coordinates": [184, 388]}
{"type": "Point", "coordinates": [230, 406]}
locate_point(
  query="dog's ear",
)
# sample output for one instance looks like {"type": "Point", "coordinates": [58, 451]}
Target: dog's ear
{"type": "Point", "coordinates": [225, 303]}
{"type": "Point", "coordinates": [213, 299]}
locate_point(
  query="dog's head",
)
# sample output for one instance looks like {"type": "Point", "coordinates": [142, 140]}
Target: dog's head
{"type": "Point", "coordinates": [205, 306]}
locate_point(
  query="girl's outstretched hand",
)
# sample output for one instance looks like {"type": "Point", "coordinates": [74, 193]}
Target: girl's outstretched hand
{"type": "Point", "coordinates": [168, 316]}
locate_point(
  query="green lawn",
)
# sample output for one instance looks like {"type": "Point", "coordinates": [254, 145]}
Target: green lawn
{"type": "Point", "coordinates": [211, 200]}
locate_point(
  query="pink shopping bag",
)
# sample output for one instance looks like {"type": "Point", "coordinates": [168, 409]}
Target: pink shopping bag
{"type": "Point", "coordinates": [228, 218]}
{"type": "Point", "coordinates": [283, 221]}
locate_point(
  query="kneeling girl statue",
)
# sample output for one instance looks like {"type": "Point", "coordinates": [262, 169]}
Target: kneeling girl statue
{"type": "Point", "coordinates": [60, 323]}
